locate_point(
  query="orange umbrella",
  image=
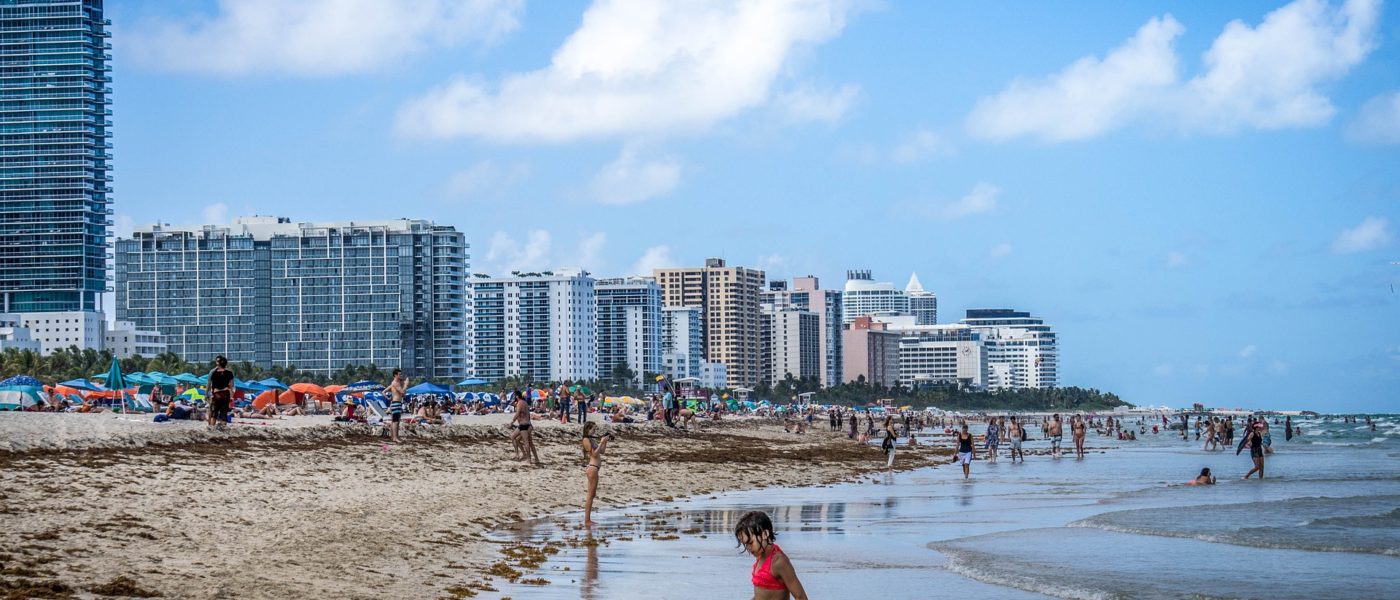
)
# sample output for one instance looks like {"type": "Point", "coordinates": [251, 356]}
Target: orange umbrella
{"type": "Point", "coordinates": [332, 389]}
{"type": "Point", "coordinates": [288, 397]}
{"type": "Point", "coordinates": [264, 399]}
{"type": "Point", "coordinates": [309, 389]}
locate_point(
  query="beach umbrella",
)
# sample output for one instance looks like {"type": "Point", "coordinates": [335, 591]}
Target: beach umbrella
{"type": "Point", "coordinates": [265, 398]}
{"type": "Point", "coordinates": [19, 397]}
{"type": "Point", "coordinates": [249, 386]}
{"type": "Point", "coordinates": [158, 378]}
{"type": "Point", "coordinates": [193, 395]}
{"type": "Point", "coordinates": [272, 383]}
{"type": "Point", "coordinates": [114, 379]}
{"type": "Point", "coordinates": [288, 397]}
{"type": "Point", "coordinates": [80, 384]}
{"type": "Point", "coordinates": [310, 389]}
{"type": "Point", "coordinates": [472, 381]}
{"type": "Point", "coordinates": [22, 380]}
{"type": "Point", "coordinates": [190, 378]}
{"type": "Point", "coordinates": [360, 387]}
{"type": "Point", "coordinates": [334, 389]}
{"type": "Point", "coordinates": [429, 387]}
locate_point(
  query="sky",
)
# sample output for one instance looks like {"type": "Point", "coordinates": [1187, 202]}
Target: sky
{"type": "Point", "coordinates": [1203, 198]}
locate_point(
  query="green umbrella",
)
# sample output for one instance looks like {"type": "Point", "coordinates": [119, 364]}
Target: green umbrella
{"type": "Point", "coordinates": [114, 377]}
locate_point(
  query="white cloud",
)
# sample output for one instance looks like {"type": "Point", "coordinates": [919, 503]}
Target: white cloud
{"type": "Point", "coordinates": [641, 67]}
{"type": "Point", "coordinates": [774, 265]}
{"type": "Point", "coordinates": [590, 251]}
{"type": "Point", "coordinates": [655, 257]}
{"type": "Point", "coordinates": [1000, 250]}
{"type": "Point", "coordinates": [982, 198]}
{"type": "Point", "coordinates": [1254, 77]}
{"type": "Point", "coordinates": [317, 38]}
{"type": "Point", "coordinates": [920, 145]}
{"type": "Point", "coordinates": [506, 254]}
{"type": "Point", "coordinates": [631, 178]}
{"type": "Point", "coordinates": [214, 214]}
{"type": "Point", "coordinates": [1248, 351]}
{"type": "Point", "coordinates": [807, 103]}
{"type": "Point", "coordinates": [1175, 260]}
{"type": "Point", "coordinates": [123, 225]}
{"type": "Point", "coordinates": [1372, 233]}
{"type": "Point", "coordinates": [1379, 121]}
{"type": "Point", "coordinates": [484, 179]}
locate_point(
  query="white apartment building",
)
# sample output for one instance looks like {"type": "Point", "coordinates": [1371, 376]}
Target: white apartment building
{"type": "Point", "coordinates": [942, 355]}
{"type": "Point", "coordinates": [923, 304]}
{"type": "Point", "coordinates": [807, 294]}
{"type": "Point", "coordinates": [629, 326]}
{"type": "Point", "coordinates": [124, 340]}
{"type": "Point", "coordinates": [15, 335]}
{"type": "Point", "coordinates": [714, 375]}
{"type": "Point", "coordinates": [58, 330]}
{"type": "Point", "coordinates": [795, 345]}
{"type": "Point", "coordinates": [1023, 351]}
{"type": "Point", "coordinates": [541, 325]}
{"type": "Point", "coordinates": [865, 297]}
{"type": "Point", "coordinates": [682, 341]}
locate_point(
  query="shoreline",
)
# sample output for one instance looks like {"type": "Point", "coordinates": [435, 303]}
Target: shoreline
{"type": "Point", "coordinates": [313, 510]}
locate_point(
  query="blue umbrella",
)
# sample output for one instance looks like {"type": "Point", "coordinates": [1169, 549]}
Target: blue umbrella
{"type": "Point", "coordinates": [249, 386]}
{"type": "Point", "coordinates": [361, 387]}
{"type": "Point", "coordinates": [21, 380]}
{"type": "Point", "coordinates": [81, 384]}
{"type": "Point", "coordinates": [159, 378]}
{"type": "Point", "coordinates": [429, 387]}
{"type": "Point", "coordinates": [272, 383]}
{"type": "Point", "coordinates": [472, 381]}
{"type": "Point", "coordinates": [18, 397]}
{"type": "Point", "coordinates": [189, 378]}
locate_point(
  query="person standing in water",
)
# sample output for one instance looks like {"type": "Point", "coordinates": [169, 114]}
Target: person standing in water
{"type": "Point", "coordinates": [993, 438]}
{"type": "Point", "coordinates": [1016, 432]}
{"type": "Point", "coordinates": [1078, 430]}
{"type": "Point", "coordinates": [967, 451]}
{"type": "Point", "coordinates": [1254, 438]}
{"type": "Point", "coordinates": [1288, 428]}
{"type": "Point", "coordinates": [396, 391]}
{"type": "Point", "coordinates": [772, 575]}
{"type": "Point", "coordinates": [889, 443]}
{"type": "Point", "coordinates": [1057, 433]}
{"type": "Point", "coordinates": [593, 447]}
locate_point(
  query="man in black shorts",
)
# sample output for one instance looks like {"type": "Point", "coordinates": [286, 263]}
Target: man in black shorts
{"type": "Point", "coordinates": [220, 392]}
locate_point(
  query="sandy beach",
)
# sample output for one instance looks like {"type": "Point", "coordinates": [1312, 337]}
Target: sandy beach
{"type": "Point", "coordinates": [105, 505]}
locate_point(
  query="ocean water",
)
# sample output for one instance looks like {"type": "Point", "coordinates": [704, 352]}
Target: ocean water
{"type": "Point", "coordinates": [1119, 524]}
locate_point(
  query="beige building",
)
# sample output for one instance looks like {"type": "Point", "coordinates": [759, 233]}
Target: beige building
{"type": "Point", "coordinates": [730, 317]}
{"type": "Point", "coordinates": [870, 350]}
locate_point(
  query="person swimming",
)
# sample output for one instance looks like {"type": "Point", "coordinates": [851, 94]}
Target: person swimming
{"type": "Point", "coordinates": [1205, 478]}
{"type": "Point", "coordinates": [772, 575]}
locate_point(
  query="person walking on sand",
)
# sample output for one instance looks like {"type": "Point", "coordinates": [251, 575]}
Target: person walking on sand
{"type": "Point", "coordinates": [593, 447]}
{"type": "Point", "coordinates": [772, 575]}
{"type": "Point", "coordinates": [1078, 430]}
{"type": "Point", "coordinates": [396, 391]}
{"type": "Point", "coordinates": [1254, 438]}
{"type": "Point", "coordinates": [522, 425]}
{"type": "Point", "coordinates": [1057, 434]}
{"type": "Point", "coordinates": [967, 451]}
{"type": "Point", "coordinates": [220, 391]}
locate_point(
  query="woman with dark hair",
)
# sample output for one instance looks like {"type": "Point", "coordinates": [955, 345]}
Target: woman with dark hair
{"type": "Point", "coordinates": [967, 450]}
{"type": "Point", "coordinates": [220, 393]}
{"type": "Point", "coordinates": [888, 444]}
{"type": "Point", "coordinates": [772, 574]}
{"type": "Point", "coordinates": [1205, 478]}
{"type": "Point", "coordinates": [593, 447]}
{"type": "Point", "coordinates": [1254, 438]}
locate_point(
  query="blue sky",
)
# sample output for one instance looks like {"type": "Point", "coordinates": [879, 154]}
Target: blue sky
{"type": "Point", "coordinates": [1203, 197]}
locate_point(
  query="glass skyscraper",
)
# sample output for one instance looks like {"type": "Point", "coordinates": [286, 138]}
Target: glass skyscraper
{"type": "Point", "coordinates": [54, 161]}
{"type": "Point", "coordinates": [318, 296]}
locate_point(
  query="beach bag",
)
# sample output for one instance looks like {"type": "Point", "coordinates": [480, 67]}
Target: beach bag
{"type": "Point", "coordinates": [887, 445]}
{"type": "Point", "coordinates": [1023, 434]}
{"type": "Point", "coordinates": [162, 417]}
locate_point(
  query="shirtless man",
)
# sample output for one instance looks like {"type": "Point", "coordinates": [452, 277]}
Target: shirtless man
{"type": "Point", "coordinates": [522, 424]}
{"type": "Point", "coordinates": [1013, 433]}
{"type": "Point", "coordinates": [1057, 433]}
{"type": "Point", "coordinates": [396, 390]}
{"type": "Point", "coordinates": [1078, 430]}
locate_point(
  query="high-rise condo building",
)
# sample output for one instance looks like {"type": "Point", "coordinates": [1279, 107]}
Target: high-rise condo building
{"type": "Point", "coordinates": [55, 181]}
{"type": "Point", "coordinates": [941, 355]}
{"type": "Point", "coordinates": [923, 304]}
{"type": "Point", "coordinates": [728, 300]}
{"type": "Point", "coordinates": [682, 341]}
{"type": "Point", "coordinates": [1022, 350]}
{"type": "Point", "coordinates": [806, 294]}
{"type": "Point", "coordinates": [318, 296]}
{"type": "Point", "coordinates": [630, 327]}
{"type": "Point", "coordinates": [542, 326]}
{"type": "Point", "coordinates": [865, 297]}
{"type": "Point", "coordinates": [795, 338]}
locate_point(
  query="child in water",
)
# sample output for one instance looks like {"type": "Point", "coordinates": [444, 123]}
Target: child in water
{"type": "Point", "coordinates": [772, 574]}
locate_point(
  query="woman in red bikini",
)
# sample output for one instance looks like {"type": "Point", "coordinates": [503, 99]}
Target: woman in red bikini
{"type": "Point", "coordinates": [772, 573]}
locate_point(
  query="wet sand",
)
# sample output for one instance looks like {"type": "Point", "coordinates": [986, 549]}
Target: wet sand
{"type": "Point", "coordinates": [333, 512]}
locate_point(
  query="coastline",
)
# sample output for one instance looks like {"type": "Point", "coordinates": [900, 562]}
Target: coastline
{"type": "Point", "coordinates": [309, 509]}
